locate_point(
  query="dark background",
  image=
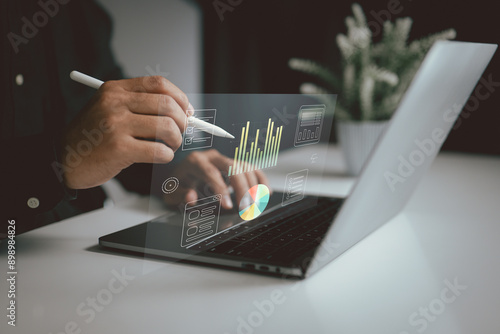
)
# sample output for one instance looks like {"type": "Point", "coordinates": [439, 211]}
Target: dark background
{"type": "Point", "coordinates": [249, 50]}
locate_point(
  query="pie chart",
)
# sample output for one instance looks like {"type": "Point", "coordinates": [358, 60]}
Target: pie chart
{"type": "Point", "coordinates": [254, 202]}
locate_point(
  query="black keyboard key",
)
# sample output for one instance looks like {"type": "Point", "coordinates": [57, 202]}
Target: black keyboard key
{"type": "Point", "coordinates": [204, 245]}
{"type": "Point", "coordinates": [224, 247]}
{"type": "Point", "coordinates": [243, 237]}
{"type": "Point", "coordinates": [253, 243]}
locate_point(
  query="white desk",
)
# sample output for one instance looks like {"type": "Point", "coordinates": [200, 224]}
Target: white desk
{"type": "Point", "coordinates": [450, 229]}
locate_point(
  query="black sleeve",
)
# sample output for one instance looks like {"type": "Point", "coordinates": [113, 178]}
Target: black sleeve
{"type": "Point", "coordinates": [137, 178]}
{"type": "Point", "coordinates": [32, 180]}
{"type": "Point", "coordinates": [33, 114]}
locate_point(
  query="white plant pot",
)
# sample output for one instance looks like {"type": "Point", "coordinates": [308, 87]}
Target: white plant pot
{"type": "Point", "coordinates": [357, 140]}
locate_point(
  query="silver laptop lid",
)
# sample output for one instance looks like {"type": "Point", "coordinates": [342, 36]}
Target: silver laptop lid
{"type": "Point", "coordinates": [413, 138]}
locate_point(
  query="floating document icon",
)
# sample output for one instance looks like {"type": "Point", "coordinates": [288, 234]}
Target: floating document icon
{"type": "Point", "coordinates": [195, 138]}
{"type": "Point", "coordinates": [295, 186]}
{"type": "Point", "coordinates": [201, 219]}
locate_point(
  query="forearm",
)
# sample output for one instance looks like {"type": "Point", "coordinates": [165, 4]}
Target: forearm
{"type": "Point", "coordinates": [32, 179]}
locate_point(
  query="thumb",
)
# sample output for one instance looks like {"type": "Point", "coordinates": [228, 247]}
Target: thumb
{"type": "Point", "coordinates": [191, 196]}
{"type": "Point", "coordinates": [181, 195]}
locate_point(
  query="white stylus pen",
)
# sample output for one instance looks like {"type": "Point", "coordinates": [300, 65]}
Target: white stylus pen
{"type": "Point", "coordinates": [195, 122]}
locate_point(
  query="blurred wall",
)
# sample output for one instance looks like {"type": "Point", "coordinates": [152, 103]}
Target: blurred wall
{"type": "Point", "coordinates": [247, 48]}
{"type": "Point", "coordinates": [158, 36]}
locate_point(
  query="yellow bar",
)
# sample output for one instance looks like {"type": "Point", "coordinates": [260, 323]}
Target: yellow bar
{"type": "Point", "coordinates": [234, 161]}
{"type": "Point", "coordinates": [273, 152]}
{"type": "Point", "coordinates": [268, 135]}
{"type": "Point", "coordinates": [235, 169]}
{"type": "Point", "coordinates": [278, 146]}
{"type": "Point", "coordinates": [271, 156]}
{"type": "Point", "coordinates": [272, 142]}
{"type": "Point", "coordinates": [266, 158]}
{"type": "Point", "coordinates": [238, 161]}
{"type": "Point", "coordinates": [250, 158]}
{"type": "Point", "coordinates": [255, 150]}
{"type": "Point", "coordinates": [245, 145]}
{"type": "Point", "coordinates": [257, 158]}
{"type": "Point", "coordinates": [247, 166]}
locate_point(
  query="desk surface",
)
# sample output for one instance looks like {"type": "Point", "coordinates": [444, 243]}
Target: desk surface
{"type": "Point", "coordinates": [432, 269]}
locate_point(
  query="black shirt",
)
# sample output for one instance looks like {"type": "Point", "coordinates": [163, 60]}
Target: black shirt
{"type": "Point", "coordinates": [41, 46]}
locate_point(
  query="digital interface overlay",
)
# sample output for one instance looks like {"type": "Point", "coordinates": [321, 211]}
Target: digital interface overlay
{"type": "Point", "coordinates": [309, 125]}
{"type": "Point", "coordinates": [295, 187]}
{"type": "Point", "coordinates": [256, 157]}
{"type": "Point", "coordinates": [254, 202]}
{"type": "Point", "coordinates": [195, 138]}
{"type": "Point", "coordinates": [201, 219]}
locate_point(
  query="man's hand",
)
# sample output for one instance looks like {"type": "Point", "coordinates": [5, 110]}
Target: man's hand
{"type": "Point", "coordinates": [206, 168]}
{"type": "Point", "coordinates": [109, 134]}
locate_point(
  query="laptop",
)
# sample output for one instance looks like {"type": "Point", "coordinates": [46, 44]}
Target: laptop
{"type": "Point", "coordinates": [298, 234]}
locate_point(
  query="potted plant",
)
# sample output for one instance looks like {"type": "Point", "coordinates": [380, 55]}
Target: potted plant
{"type": "Point", "coordinates": [374, 78]}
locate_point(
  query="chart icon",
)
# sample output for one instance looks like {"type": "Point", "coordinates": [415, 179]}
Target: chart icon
{"type": "Point", "coordinates": [251, 156]}
{"type": "Point", "coordinates": [309, 125]}
{"type": "Point", "coordinates": [254, 202]}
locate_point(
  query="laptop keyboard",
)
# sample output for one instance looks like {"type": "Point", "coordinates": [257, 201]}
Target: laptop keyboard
{"type": "Point", "coordinates": [276, 238]}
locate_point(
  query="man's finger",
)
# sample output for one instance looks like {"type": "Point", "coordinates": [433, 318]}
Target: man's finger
{"type": "Point", "coordinates": [212, 176]}
{"type": "Point", "coordinates": [240, 186]}
{"type": "Point", "coordinates": [242, 182]}
{"type": "Point", "coordinates": [251, 179]}
{"type": "Point", "coordinates": [181, 195]}
{"type": "Point", "coordinates": [157, 105]}
{"type": "Point", "coordinates": [152, 104]}
{"type": "Point", "coordinates": [262, 179]}
{"type": "Point", "coordinates": [141, 151]}
{"type": "Point", "coordinates": [152, 127]}
{"type": "Point", "coordinates": [220, 161]}
{"type": "Point", "coordinates": [155, 85]}
{"type": "Point", "coordinates": [191, 196]}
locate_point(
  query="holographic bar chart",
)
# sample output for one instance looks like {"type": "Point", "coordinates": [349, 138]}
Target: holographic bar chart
{"type": "Point", "coordinates": [252, 157]}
